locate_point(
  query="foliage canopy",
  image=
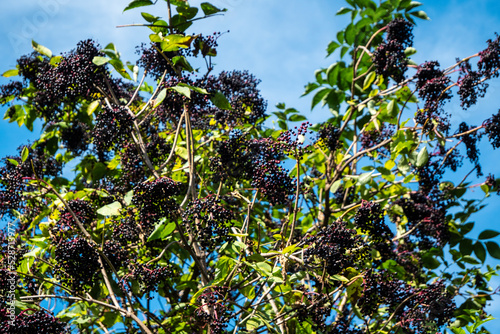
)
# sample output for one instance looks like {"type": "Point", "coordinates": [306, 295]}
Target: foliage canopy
{"type": "Point", "coordinates": [187, 213]}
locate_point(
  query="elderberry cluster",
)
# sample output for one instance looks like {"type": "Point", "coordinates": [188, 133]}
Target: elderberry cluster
{"type": "Point", "coordinates": [389, 58]}
{"type": "Point", "coordinates": [77, 263]}
{"type": "Point", "coordinates": [150, 276]}
{"type": "Point", "coordinates": [256, 160]}
{"type": "Point", "coordinates": [76, 137]}
{"type": "Point", "coordinates": [313, 308]}
{"type": "Point", "coordinates": [155, 200]}
{"type": "Point", "coordinates": [112, 127]}
{"type": "Point", "coordinates": [470, 141]}
{"type": "Point", "coordinates": [14, 172]}
{"type": "Point", "coordinates": [115, 253]}
{"type": "Point", "coordinates": [427, 215]}
{"type": "Point", "coordinates": [153, 62]}
{"type": "Point", "coordinates": [432, 87]}
{"type": "Point", "coordinates": [492, 129]}
{"type": "Point", "coordinates": [471, 86]}
{"type": "Point", "coordinates": [74, 77]}
{"type": "Point", "coordinates": [342, 326]}
{"type": "Point", "coordinates": [329, 136]}
{"type": "Point", "coordinates": [489, 62]}
{"type": "Point", "coordinates": [382, 288]}
{"type": "Point", "coordinates": [212, 221]}
{"type": "Point", "coordinates": [39, 322]}
{"type": "Point", "coordinates": [83, 210]}
{"type": "Point", "coordinates": [13, 88]}
{"type": "Point", "coordinates": [240, 88]}
{"type": "Point", "coordinates": [370, 219]}
{"type": "Point", "coordinates": [428, 310]}
{"type": "Point", "coordinates": [127, 231]}
{"type": "Point", "coordinates": [336, 245]}
{"type": "Point", "coordinates": [213, 310]}
{"type": "Point", "coordinates": [372, 138]}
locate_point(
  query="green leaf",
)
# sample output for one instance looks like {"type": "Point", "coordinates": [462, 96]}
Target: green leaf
{"type": "Point", "coordinates": [220, 101]}
{"type": "Point", "coordinates": [343, 10]}
{"type": "Point", "coordinates": [297, 118]}
{"type": "Point", "coordinates": [185, 91]}
{"type": "Point", "coordinates": [488, 234]}
{"type": "Point", "coordinates": [493, 249]}
{"type": "Point", "coordinates": [174, 42]}
{"type": "Point", "coordinates": [420, 14]}
{"type": "Point", "coordinates": [193, 88]}
{"type": "Point", "coordinates": [99, 61]}
{"type": "Point", "coordinates": [182, 62]}
{"type": "Point", "coordinates": [410, 51]}
{"type": "Point", "coordinates": [480, 251]}
{"type": "Point", "coordinates": [10, 73]}
{"type": "Point", "coordinates": [138, 3]}
{"type": "Point", "coordinates": [209, 9]}
{"type": "Point", "coordinates": [422, 157]}
{"type": "Point", "coordinates": [25, 153]}
{"type": "Point", "coordinates": [14, 162]}
{"type": "Point", "coordinates": [128, 197]}
{"type": "Point", "coordinates": [41, 49]}
{"type": "Point", "coordinates": [162, 230]}
{"type": "Point", "coordinates": [365, 178]}
{"type": "Point", "coordinates": [403, 166]}
{"type": "Point", "coordinates": [150, 18]}
{"type": "Point", "coordinates": [160, 97]}
{"type": "Point", "coordinates": [92, 107]}
{"type": "Point", "coordinates": [112, 209]}
{"type": "Point", "coordinates": [392, 109]}
{"type": "Point", "coordinates": [369, 80]}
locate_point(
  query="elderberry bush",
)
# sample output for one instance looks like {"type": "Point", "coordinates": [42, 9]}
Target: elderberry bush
{"type": "Point", "coordinates": [163, 195]}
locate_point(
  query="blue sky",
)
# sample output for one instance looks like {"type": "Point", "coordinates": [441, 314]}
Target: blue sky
{"type": "Point", "coordinates": [281, 42]}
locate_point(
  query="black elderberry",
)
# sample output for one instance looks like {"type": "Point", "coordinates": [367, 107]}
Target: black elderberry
{"type": "Point", "coordinates": [150, 276]}
{"type": "Point", "coordinates": [370, 219]}
{"type": "Point", "coordinates": [336, 245]}
{"type": "Point", "coordinates": [77, 263]}
{"type": "Point", "coordinates": [492, 129]}
{"type": "Point", "coordinates": [489, 62]}
{"type": "Point", "coordinates": [471, 86]}
{"type": "Point", "coordinates": [112, 128]}
{"type": "Point", "coordinates": [213, 222]}
{"type": "Point", "coordinates": [329, 136]}
{"type": "Point", "coordinates": [39, 322]}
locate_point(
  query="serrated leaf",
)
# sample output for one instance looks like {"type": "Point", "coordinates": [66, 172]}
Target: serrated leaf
{"type": "Point", "coordinates": [185, 91]}
{"type": "Point", "coordinates": [138, 3]}
{"type": "Point", "coordinates": [220, 101]}
{"type": "Point", "coordinates": [112, 209]}
{"type": "Point", "coordinates": [10, 73]}
{"type": "Point", "coordinates": [41, 49]}
{"type": "Point", "coordinates": [182, 62]}
{"type": "Point", "coordinates": [339, 278]}
{"type": "Point", "coordinates": [209, 9]}
{"type": "Point", "coordinates": [92, 107]}
{"type": "Point", "coordinates": [422, 157]}
{"type": "Point", "coordinates": [160, 97]}
{"type": "Point", "coordinates": [488, 234]}
{"type": "Point", "coordinates": [25, 153]}
{"type": "Point", "coordinates": [193, 88]}
{"type": "Point", "coordinates": [99, 61]}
